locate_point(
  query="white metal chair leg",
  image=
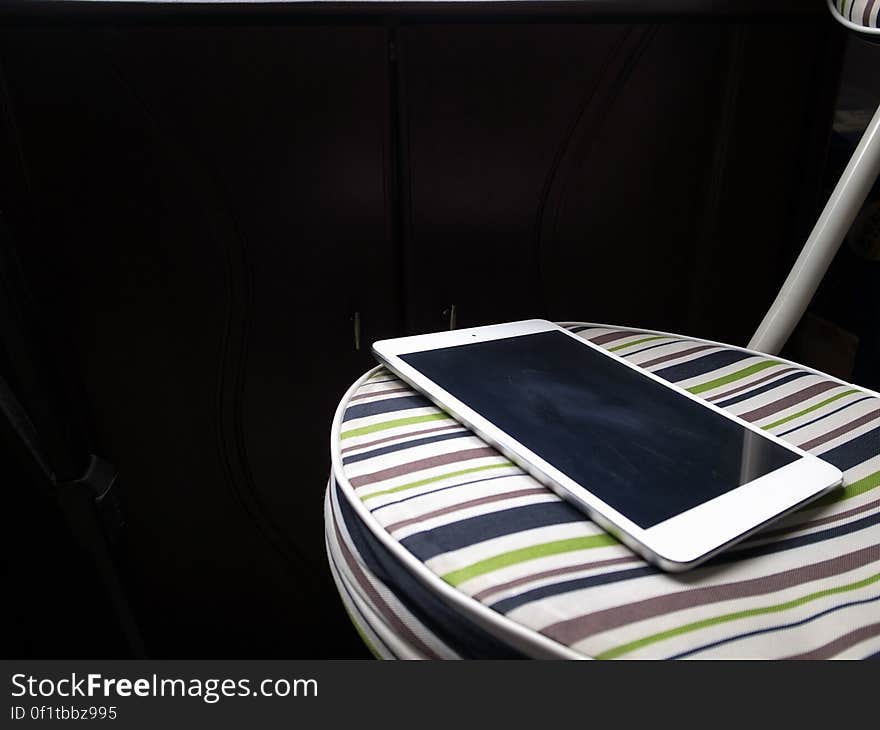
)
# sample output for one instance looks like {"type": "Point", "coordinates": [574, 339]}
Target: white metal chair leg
{"type": "Point", "coordinates": [824, 241]}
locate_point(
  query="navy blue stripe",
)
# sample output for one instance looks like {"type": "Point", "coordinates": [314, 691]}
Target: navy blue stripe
{"type": "Point", "coordinates": [771, 629]}
{"type": "Point", "coordinates": [701, 365]}
{"type": "Point", "coordinates": [854, 452]}
{"type": "Point", "coordinates": [761, 389]}
{"type": "Point", "coordinates": [795, 542]}
{"type": "Point", "coordinates": [425, 545]}
{"type": "Point", "coordinates": [554, 589]}
{"type": "Point", "coordinates": [460, 634]}
{"type": "Point", "coordinates": [385, 406]}
{"type": "Point", "coordinates": [405, 445]}
{"type": "Point", "coordinates": [508, 604]}
{"type": "Point", "coordinates": [442, 489]}
{"type": "Point", "coordinates": [826, 415]}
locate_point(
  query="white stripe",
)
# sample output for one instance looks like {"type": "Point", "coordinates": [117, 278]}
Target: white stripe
{"type": "Point", "coordinates": [541, 613]}
{"type": "Point", "coordinates": [797, 408]}
{"type": "Point", "coordinates": [686, 359]}
{"type": "Point", "coordinates": [412, 434]}
{"type": "Point", "coordinates": [862, 650]}
{"type": "Point", "coordinates": [414, 453]}
{"type": "Point", "coordinates": [427, 637]}
{"type": "Point", "coordinates": [862, 470]}
{"type": "Point", "coordinates": [415, 508]}
{"type": "Point", "coordinates": [820, 428]}
{"type": "Point", "coordinates": [708, 634]}
{"type": "Point", "coordinates": [488, 581]}
{"type": "Point", "coordinates": [760, 400]}
{"type": "Point", "coordinates": [623, 341]}
{"type": "Point", "coordinates": [851, 435]}
{"type": "Point", "coordinates": [474, 511]}
{"type": "Point", "coordinates": [379, 418]}
{"type": "Point", "coordinates": [395, 431]}
{"type": "Point", "coordinates": [357, 618]}
{"type": "Point", "coordinates": [591, 331]}
{"type": "Point", "coordinates": [797, 529]}
{"type": "Point", "coordinates": [366, 493]}
{"type": "Point", "coordinates": [667, 348]}
{"type": "Point", "coordinates": [378, 389]}
{"type": "Point", "coordinates": [811, 635]}
{"type": "Point", "coordinates": [720, 372]}
{"type": "Point", "coordinates": [742, 386]}
{"type": "Point", "coordinates": [351, 595]}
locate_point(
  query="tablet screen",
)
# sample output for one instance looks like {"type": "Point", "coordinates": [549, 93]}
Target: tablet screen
{"type": "Point", "coordinates": [644, 449]}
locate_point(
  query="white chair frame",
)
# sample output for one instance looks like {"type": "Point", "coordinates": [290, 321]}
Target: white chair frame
{"type": "Point", "coordinates": [824, 241]}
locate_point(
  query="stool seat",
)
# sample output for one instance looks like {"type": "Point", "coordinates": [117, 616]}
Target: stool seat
{"type": "Point", "coordinates": [442, 548]}
{"type": "Point", "coordinates": [858, 15]}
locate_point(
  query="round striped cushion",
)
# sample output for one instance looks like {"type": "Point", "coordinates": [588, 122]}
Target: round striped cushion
{"type": "Point", "coordinates": [443, 548]}
{"type": "Point", "coordinates": [860, 14]}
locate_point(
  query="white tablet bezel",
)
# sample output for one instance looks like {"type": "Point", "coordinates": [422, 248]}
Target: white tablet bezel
{"type": "Point", "coordinates": [678, 543]}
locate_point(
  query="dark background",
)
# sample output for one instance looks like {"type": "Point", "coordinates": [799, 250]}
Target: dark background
{"type": "Point", "coordinates": [204, 203]}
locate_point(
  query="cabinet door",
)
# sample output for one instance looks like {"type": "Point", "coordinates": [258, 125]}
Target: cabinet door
{"type": "Point", "coordinates": [486, 113]}
{"type": "Point", "coordinates": [596, 171]}
{"type": "Point", "coordinates": [214, 214]}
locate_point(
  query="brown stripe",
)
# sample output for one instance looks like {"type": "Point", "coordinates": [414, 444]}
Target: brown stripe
{"type": "Point", "coordinates": [400, 437]}
{"type": "Point", "coordinates": [838, 517]}
{"type": "Point", "coordinates": [611, 336]}
{"type": "Point", "coordinates": [841, 643]}
{"type": "Point", "coordinates": [866, 16]}
{"type": "Point", "coordinates": [840, 430]}
{"type": "Point", "coordinates": [488, 499]}
{"type": "Point", "coordinates": [380, 392]}
{"type": "Point", "coordinates": [674, 355]}
{"type": "Point", "coordinates": [790, 400]}
{"type": "Point", "coordinates": [383, 608]}
{"type": "Point", "coordinates": [564, 570]}
{"type": "Point", "coordinates": [751, 384]}
{"type": "Point", "coordinates": [432, 461]}
{"type": "Point", "coordinates": [572, 630]}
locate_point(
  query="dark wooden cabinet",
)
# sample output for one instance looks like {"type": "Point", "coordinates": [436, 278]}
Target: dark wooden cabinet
{"type": "Point", "coordinates": [646, 175]}
{"type": "Point", "coordinates": [487, 114]}
{"type": "Point", "coordinates": [209, 211]}
{"type": "Point", "coordinates": [213, 209]}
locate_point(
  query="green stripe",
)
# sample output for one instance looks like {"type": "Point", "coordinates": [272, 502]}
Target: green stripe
{"type": "Point", "coordinates": [738, 375]}
{"type": "Point", "coordinates": [654, 638]}
{"type": "Point", "coordinates": [385, 425]}
{"type": "Point", "coordinates": [866, 484]}
{"type": "Point", "coordinates": [457, 577]}
{"type": "Point", "coordinates": [422, 482]}
{"type": "Point", "coordinates": [635, 342]}
{"type": "Point", "coordinates": [809, 410]}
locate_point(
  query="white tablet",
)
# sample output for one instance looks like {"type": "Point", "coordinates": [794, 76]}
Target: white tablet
{"type": "Point", "coordinates": [674, 477]}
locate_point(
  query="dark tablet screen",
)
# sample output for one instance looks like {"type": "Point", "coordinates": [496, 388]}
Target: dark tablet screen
{"type": "Point", "coordinates": [644, 449]}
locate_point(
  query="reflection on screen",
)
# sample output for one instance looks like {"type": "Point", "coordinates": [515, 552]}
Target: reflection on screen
{"type": "Point", "coordinates": [647, 451]}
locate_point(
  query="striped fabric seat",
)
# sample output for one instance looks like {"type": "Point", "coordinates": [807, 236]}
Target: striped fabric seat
{"type": "Point", "coordinates": [441, 548]}
{"type": "Point", "coordinates": [859, 13]}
